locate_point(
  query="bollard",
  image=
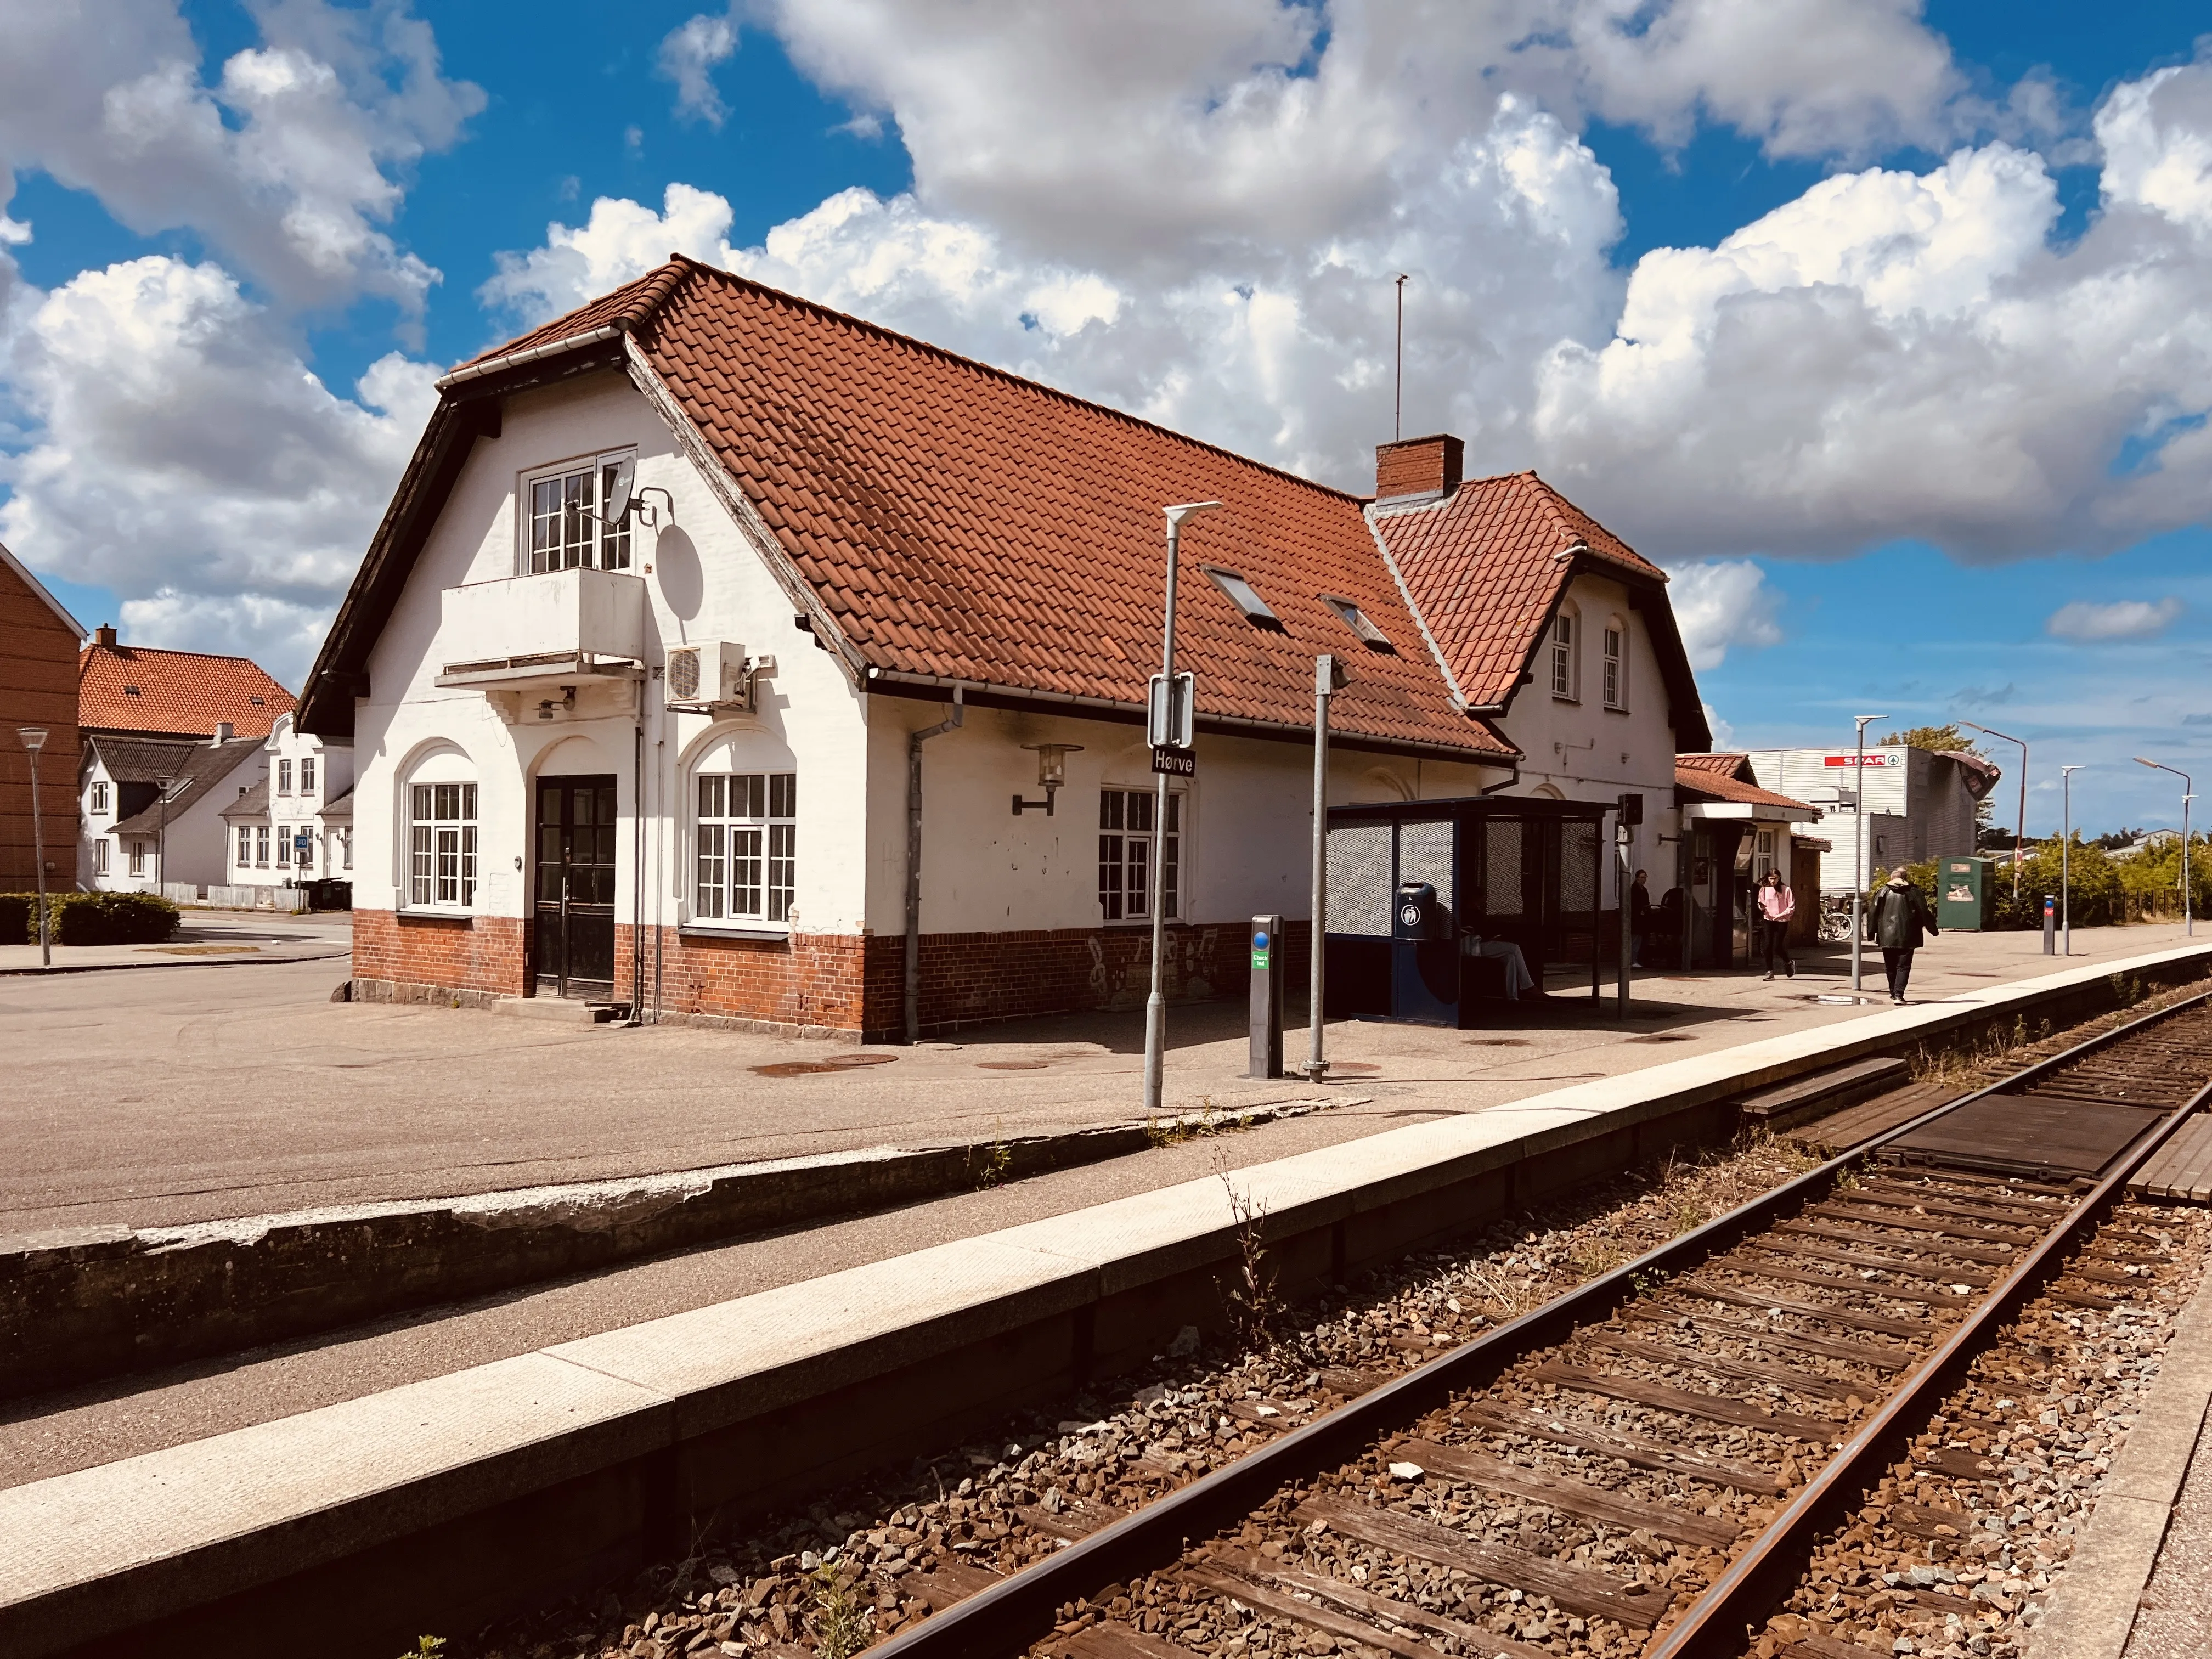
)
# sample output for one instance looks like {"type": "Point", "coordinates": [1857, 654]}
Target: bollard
{"type": "Point", "coordinates": [2050, 925]}
{"type": "Point", "coordinates": [1266, 1025]}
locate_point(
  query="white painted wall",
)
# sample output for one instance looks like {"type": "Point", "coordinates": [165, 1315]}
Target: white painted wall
{"type": "Point", "coordinates": [194, 836]}
{"type": "Point", "coordinates": [701, 579]}
{"type": "Point", "coordinates": [1580, 750]}
{"type": "Point", "coordinates": [303, 810]}
{"type": "Point", "coordinates": [1917, 805]}
{"type": "Point", "coordinates": [1247, 823]}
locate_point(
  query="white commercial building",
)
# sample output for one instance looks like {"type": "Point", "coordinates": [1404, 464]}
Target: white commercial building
{"type": "Point", "coordinates": [295, 826]}
{"type": "Point", "coordinates": [1918, 804]}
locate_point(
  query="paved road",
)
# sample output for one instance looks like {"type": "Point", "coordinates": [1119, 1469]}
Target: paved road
{"type": "Point", "coordinates": [194, 1093]}
{"type": "Point", "coordinates": [235, 938]}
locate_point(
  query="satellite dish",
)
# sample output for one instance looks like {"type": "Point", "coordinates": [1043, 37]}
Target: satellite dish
{"type": "Point", "coordinates": [622, 490]}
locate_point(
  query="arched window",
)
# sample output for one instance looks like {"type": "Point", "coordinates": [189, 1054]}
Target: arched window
{"type": "Point", "coordinates": [744, 832]}
{"type": "Point", "coordinates": [1616, 662]}
{"type": "Point", "coordinates": [439, 802]}
{"type": "Point", "coordinates": [1565, 654]}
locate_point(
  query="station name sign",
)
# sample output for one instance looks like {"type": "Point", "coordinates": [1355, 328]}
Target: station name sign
{"type": "Point", "coordinates": [1174, 760]}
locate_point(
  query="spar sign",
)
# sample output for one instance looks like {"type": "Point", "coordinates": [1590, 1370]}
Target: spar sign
{"type": "Point", "coordinates": [1873, 757]}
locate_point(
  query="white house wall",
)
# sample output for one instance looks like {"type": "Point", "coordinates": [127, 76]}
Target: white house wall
{"type": "Point", "coordinates": [702, 580]}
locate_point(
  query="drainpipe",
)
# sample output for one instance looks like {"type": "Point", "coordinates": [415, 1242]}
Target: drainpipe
{"type": "Point", "coordinates": [914, 742]}
{"type": "Point", "coordinates": [637, 865]}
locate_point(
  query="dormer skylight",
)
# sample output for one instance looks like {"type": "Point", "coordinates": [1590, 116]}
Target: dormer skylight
{"type": "Point", "coordinates": [1245, 598]}
{"type": "Point", "coordinates": [1356, 620]}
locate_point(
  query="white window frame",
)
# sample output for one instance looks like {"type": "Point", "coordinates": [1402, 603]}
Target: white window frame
{"type": "Point", "coordinates": [261, 847]}
{"type": "Point", "coordinates": [345, 844]}
{"type": "Point", "coordinates": [743, 868]}
{"type": "Point", "coordinates": [284, 840]}
{"type": "Point", "coordinates": [562, 540]}
{"type": "Point", "coordinates": [1562, 659]}
{"type": "Point", "coordinates": [245, 859]}
{"type": "Point", "coordinates": [1614, 642]}
{"type": "Point", "coordinates": [1124, 890]}
{"type": "Point", "coordinates": [307, 774]}
{"type": "Point", "coordinates": [283, 777]}
{"type": "Point", "coordinates": [138, 858]}
{"type": "Point", "coordinates": [99, 797]}
{"type": "Point", "coordinates": [99, 856]}
{"type": "Point", "coordinates": [440, 866]}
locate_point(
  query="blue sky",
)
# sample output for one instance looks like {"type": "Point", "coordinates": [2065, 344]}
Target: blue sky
{"type": "Point", "coordinates": [1886, 409]}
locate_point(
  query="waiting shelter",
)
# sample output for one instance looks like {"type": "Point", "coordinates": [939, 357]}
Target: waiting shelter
{"type": "Point", "coordinates": [1446, 912]}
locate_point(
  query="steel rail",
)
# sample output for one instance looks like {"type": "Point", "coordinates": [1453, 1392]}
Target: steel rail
{"type": "Point", "coordinates": [1006, 1617]}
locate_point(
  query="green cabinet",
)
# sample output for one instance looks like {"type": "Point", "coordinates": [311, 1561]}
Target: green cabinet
{"type": "Point", "coordinates": [1962, 893]}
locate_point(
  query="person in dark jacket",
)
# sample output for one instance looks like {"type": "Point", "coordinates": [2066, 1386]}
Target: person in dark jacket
{"type": "Point", "coordinates": [1639, 917]}
{"type": "Point", "coordinates": [1899, 918]}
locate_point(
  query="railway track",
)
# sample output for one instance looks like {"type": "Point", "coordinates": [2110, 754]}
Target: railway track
{"type": "Point", "coordinates": [1649, 1464]}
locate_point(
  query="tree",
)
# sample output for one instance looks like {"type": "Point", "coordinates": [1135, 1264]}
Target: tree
{"type": "Point", "coordinates": [1936, 739]}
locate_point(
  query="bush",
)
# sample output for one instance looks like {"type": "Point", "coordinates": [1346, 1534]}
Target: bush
{"type": "Point", "coordinates": [112, 919]}
{"type": "Point", "coordinates": [15, 918]}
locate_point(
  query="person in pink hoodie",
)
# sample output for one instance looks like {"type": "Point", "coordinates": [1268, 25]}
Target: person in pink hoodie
{"type": "Point", "coordinates": [1777, 904]}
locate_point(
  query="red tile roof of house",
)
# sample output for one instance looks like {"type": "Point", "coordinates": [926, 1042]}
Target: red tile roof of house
{"type": "Point", "coordinates": [1488, 563]}
{"type": "Point", "coordinates": [131, 688]}
{"type": "Point", "coordinates": [945, 521]}
{"type": "Point", "coordinates": [1728, 777]}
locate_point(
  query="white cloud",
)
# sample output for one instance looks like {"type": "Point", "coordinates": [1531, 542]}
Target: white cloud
{"type": "Point", "coordinates": [183, 456]}
{"type": "Point", "coordinates": [2124, 619]}
{"type": "Point", "coordinates": [287, 164]}
{"type": "Point", "coordinates": [687, 56]}
{"type": "Point", "coordinates": [621, 240]}
{"type": "Point", "coordinates": [1722, 603]}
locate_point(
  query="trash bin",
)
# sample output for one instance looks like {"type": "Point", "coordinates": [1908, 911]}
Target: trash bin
{"type": "Point", "coordinates": [1962, 894]}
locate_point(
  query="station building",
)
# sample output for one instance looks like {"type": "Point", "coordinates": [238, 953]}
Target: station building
{"type": "Point", "coordinates": [714, 639]}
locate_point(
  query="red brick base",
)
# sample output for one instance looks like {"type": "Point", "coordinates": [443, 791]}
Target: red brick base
{"type": "Point", "coordinates": [849, 983]}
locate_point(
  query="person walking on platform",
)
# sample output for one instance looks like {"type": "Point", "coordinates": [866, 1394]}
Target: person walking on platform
{"type": "Point", "coordinates": [1639, 917]}
{"type": "Point", "coordinates": [1777, 904]}
{"type": "Point", "coordinates": [1901, 916]}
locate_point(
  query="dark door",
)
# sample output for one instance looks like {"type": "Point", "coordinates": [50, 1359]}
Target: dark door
{"type": "Point", "coordinates": [575, 888]}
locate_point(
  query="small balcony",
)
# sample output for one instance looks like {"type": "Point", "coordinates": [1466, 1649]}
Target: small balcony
{"type": "Point", "coordinates": [539, 631]}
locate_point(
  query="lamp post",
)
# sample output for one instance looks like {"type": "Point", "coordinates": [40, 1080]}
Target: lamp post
{"type": "Point", "coordinates": [167, 787]}
{"type": "Point", "coordinates": [1858, 852]}
{"type": "Point", "coordinates": [34, 739]}
{"type": "Point", "coordinates": [1155, 1005]}
{"type": "Point", "coordinates": [2019, 835]}
{"type": "Point", "coordinates": [2066, 858]}
{"type": "Point", "coordinates": [2188, 918]}
{"type": "Point", "coordinates": [1329, 679]}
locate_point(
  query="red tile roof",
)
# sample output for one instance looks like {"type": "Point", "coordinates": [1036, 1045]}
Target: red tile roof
{"type": "Point", "coordinates": [1728, 777]}
{"type": "Point", "coordinates": [963, 524]}
{"type": "Point", "coordinates": [1487, 564]}
{"type": "Point", "coordinates": [131, 688]}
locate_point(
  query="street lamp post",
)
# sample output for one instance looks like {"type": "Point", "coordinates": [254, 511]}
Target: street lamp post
{"type": "Point", "coordinates": [167, 786]}
{"type": "Point", "coordinates": [34, 739]}
{"type": "Point", "coordinates": [1155, 1005]}
{"type": "Point", "coordinates": [2019, 835]}
{"type": "Point", "coordinates": [2066, 858]}
{"type": "Point", "coordinates": [2188, 916]}
{"type": "Point", "coordinates": [1858, 852]}
{"type": "Point", "coordinates": [1329, 679]}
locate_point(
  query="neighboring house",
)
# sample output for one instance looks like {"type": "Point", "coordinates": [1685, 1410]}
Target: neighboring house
{"type": "Point", "coordinates": [1919, 804]}
{"type": "Point", "coordinates": [295, 826]}
{"type": "Point", "coordinates": [1733, 833]}
{"type": "Point", "coordinates": [710, 634]}
{"type": "Point", "coordinates": [178, 693]}
{"type": "Point", "coordinates": [38, 641]}
{"type": "Point", "coordinates": [152, 811]}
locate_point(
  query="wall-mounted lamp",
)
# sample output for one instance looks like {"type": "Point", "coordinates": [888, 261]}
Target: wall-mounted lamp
{"type": "Point", "coordinates": [566, 703]}
{"type": "Point", "coordinates": [1052, 772]}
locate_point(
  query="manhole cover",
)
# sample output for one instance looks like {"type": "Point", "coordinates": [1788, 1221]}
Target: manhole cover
{"type": "Point", "coordinates": [1010, 1065]}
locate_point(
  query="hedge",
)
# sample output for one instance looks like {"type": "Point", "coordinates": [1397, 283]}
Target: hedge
{"type": "Point", "coordinates": [89, 918]}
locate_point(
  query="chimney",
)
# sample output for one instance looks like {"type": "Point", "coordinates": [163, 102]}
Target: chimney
{"type": "Point", "coordinates": [104, 634]}
{"type": "Point", "coordinates": [222, 734]}
{"type": "Point", "coordinates": [1418, 468]}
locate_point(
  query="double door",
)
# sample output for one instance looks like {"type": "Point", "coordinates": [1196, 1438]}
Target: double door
{"type": "Point", "coordinates": [574, 887]}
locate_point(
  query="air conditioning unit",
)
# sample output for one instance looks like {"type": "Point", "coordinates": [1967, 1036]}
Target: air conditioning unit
{"type": "Point", "coordinates": [715, 673]}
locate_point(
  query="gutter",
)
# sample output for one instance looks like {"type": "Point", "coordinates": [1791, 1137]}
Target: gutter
{"type": "Point", "coordinates": [516, 359]}
{"type": "Point", "coordinates": [1230, 725]}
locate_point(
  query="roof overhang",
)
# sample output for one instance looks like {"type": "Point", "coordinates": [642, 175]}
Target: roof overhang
{"type": "Point", "coordinates": [529, 673]}
{"type": "Point", "coordinates": [1759, 811]}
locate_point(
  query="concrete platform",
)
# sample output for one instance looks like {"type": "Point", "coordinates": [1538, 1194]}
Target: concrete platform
{"type": "Point", "coordinates": [155, 1100]}
{"type": "Point", "coordinates": [442, 1503]}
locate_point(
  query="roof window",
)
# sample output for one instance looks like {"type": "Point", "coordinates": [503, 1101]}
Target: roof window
{"type": "Point", "coordinates": [1356, 619]}
{"type": "Point", "coordinates": [1245, 598]}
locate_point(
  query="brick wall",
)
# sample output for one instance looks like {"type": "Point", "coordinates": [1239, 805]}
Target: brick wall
{"type": "Point", "coordinates": [847, 983]}
{"type": "Point", "coordinates": [472, 953]}
{"type": "Point", "coordinates": [38, 687]}
{"type": "Point", "coordinates": [1417, 466]}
